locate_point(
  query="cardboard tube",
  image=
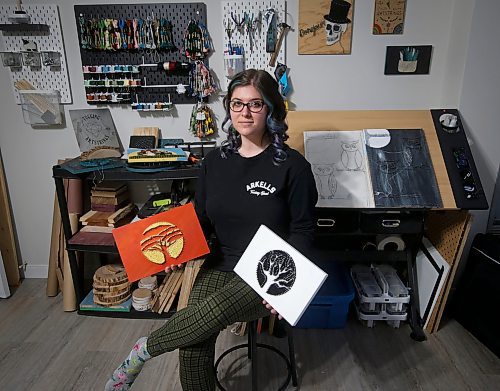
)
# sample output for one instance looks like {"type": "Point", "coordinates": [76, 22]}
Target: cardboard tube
{"type": "Point", "coordinates": [69, 296]}
{"type": "Point", "coordinates": [52, 282]}
{"type": "Point", "coordinates": [74, 196]}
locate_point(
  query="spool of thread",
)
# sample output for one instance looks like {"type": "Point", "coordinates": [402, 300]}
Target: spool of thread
{"type": "Point", "coordinates": [390, 243]}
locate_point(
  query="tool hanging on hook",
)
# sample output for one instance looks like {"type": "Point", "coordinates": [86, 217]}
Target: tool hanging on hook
{"type": "Point", "coordinates": [271, 20]}
{"type": "Point", "coordinates": [283, 30]}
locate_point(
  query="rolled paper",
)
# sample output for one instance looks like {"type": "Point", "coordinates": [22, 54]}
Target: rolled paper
{"type": "Point", "coordinates": [74, 196]}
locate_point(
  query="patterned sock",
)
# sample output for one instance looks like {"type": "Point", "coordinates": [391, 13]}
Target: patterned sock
{"type": "Point", "coordinates": [125, 374]}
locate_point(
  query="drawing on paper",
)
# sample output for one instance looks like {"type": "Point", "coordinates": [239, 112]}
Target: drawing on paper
{"type": "Point", "coordinates": [372, 168]}
{"type": "Point", "coordinates": [402, 173]}
{"type": "Point", "coordinates": [338, 164]}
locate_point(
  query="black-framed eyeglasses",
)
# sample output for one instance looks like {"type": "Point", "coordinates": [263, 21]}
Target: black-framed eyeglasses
{"type": "Point", "coordinates": [255, 106]}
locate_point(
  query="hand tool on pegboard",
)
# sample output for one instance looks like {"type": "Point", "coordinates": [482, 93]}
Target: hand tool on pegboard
{"type": "Point", "coordinates": [283, 30]}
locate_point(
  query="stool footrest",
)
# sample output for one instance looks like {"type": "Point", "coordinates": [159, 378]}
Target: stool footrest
{"type": "Point", "coordinates": [259, 345]}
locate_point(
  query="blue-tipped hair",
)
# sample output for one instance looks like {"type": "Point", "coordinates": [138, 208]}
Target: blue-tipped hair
{"type": "Point", "coordinates": [276, 126]}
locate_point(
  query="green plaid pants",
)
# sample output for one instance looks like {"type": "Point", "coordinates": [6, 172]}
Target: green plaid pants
{"type": "Point", "coordinates": [218, 299]}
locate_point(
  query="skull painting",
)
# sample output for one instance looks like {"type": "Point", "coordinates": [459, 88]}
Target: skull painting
{"type": "Point", "coordinates": [334, 31]}
{"type": "Point", "coordinates": [336, 22]}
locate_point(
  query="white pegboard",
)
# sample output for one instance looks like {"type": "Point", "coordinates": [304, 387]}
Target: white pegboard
{"type": "Point", "coordinates": [44, 78]}
{"type": "Point", "coordinates": [257, 57]}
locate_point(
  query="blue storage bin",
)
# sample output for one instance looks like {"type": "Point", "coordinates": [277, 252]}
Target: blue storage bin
{"type": "Point", "coordinates": [329, 308]}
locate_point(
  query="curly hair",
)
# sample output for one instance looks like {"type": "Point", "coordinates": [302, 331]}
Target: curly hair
{"type": "Point", "coordinates": [276, 126]}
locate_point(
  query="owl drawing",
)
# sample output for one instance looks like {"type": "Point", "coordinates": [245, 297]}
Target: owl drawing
{"type": "Point", "coordinates": [351, 156]}
{"type": "Point", "coordinates": [325, 180]}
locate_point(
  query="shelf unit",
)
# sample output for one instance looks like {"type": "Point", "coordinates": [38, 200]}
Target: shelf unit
{"type": "Point", "coordinates": [59, 173]}
{"type": "Point", "coordinates": [24, 27]}
{"type": "Point", "coordinates": [340, 231]}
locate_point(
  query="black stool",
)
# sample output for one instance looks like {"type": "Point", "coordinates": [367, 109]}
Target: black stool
{"type": "Point", "coordinates": [252, 346]}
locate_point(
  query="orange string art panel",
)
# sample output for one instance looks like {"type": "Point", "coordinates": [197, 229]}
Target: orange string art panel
{"type": "Point", "coordinates": [169, 238]}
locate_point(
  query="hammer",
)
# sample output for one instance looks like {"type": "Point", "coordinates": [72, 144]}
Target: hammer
{"type": "Point", "coordinates": [284, 28]}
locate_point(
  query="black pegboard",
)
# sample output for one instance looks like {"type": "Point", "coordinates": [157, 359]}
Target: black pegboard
{"type": "Point", "coordinates": [178, 13]}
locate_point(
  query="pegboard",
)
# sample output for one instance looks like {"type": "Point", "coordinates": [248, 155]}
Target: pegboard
{"type": "Point", "coordinates": [255, 57]}
{"type": "Point", "coordinates": [178, 13]}
{"type": "Point", "coordinates": [445, 229]}
{"type": "Point", "coordinates": [43, 78]}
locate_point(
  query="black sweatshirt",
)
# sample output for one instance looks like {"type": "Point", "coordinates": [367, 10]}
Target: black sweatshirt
{"type": "Point", "coordinates": [235, 195]}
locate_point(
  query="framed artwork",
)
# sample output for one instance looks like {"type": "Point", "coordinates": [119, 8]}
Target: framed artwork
{"type": "Point", "coordinates": [325, 26]}
{"type": "Point", "coordinates": [408, 60]}
{"type": "Point", "coordinates": [389, 17]}
{"type": "Point", "coordinates": [280, 274]}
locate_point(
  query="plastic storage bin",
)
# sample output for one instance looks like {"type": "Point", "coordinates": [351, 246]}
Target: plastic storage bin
{"type": "Point", "coordinates": [329, 308]}
{"type": "Point", "coordinates": [32, 59]}
{"type": "Point", "coordinates": [12, 59]}
{"type": "Point", "coordinates": [41, 108]}
{"type": "Point", "coordinates": [380, 294]}
{"type": "Point", "coordinates": [51, 59]}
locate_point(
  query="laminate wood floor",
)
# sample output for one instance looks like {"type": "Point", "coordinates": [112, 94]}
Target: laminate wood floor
{"type": "Point", "coordinates": [44, 348]}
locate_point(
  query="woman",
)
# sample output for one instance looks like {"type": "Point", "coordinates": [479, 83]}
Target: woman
{"type": "Point", "coordinates": [252, 179]}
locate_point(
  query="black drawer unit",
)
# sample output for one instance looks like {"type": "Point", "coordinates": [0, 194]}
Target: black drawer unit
{"type": "Point", "coordinates": [334, 221]}
{"type": "Point", "coordinates": [391, 222]}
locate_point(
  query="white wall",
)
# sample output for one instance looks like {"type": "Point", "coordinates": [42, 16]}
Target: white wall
{"type": "Point", "coordinates": [480, 100]}
{"type": "Point", "coordinates": [353, 81]}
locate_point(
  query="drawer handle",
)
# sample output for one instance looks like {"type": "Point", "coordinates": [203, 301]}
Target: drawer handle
{"type": "Point", "coordinates": [325, 222]}
{"type": "Point", "coordinates": [391, 223]}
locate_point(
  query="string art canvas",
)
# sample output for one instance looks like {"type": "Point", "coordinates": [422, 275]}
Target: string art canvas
{"type": "Point", "coordinates": [280, 274]}
{"type": "Point", "coordinates": [94, 128]}
{"type": "Point", "coordinates": [169, 238]}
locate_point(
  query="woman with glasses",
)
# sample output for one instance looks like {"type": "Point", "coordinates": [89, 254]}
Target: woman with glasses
{"type": "Point", "coordinates": [254, 178]}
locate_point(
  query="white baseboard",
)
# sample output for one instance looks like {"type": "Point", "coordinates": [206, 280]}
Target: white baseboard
{"type": "Point", "coordinates": [36, 271]}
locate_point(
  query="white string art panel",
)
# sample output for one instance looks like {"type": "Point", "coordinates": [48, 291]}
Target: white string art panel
{"type": "Point", "coordinates": [44, 77]}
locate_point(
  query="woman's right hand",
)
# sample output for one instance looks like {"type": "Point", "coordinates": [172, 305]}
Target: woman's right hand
{"type": "Point", "coordinates": [270, 308]}
{"type": "Point", "coordinates": [171, 268]}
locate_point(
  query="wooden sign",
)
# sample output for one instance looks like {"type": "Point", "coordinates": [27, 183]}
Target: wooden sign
{"type": "Point", "coordinates": [325, 26]}
{"type": "Point", "coordinates": [389, 17]}
{"type": "Point", "coordinates": [169, 238]}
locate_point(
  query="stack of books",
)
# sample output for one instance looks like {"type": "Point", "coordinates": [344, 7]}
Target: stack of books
{"type": "Point", "coordinates": [110, 208]}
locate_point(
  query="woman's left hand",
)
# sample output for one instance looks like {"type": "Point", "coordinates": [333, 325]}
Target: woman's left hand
{"type": "Point", "coordinates": [270, 308]}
